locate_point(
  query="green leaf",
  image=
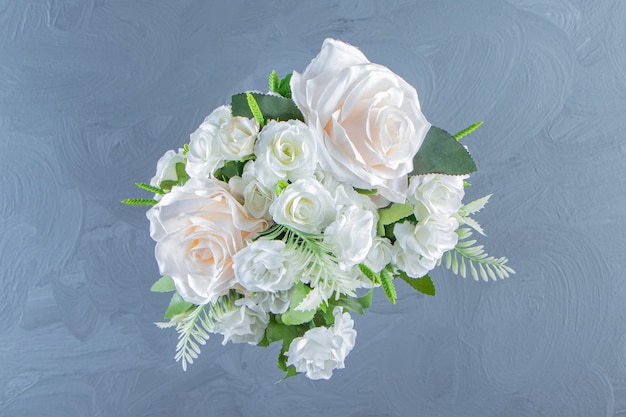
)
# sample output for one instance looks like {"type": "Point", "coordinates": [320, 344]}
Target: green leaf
{"type": "Point", "coordinates": [255, 110]}
{"type": "Point", "coordinates": [280, 186]}
{"type": "Point", "coordinates": [366, 192]}
{"type": "Point", "coordinates": [168, 184]}
{"type": "Point", "coordinates": [273, 82]}
{"type": "Point", "coordinates": [284, 88]}
{"type": "Point", "coordinates": [272, 107]}
{"type": "Point", "coordinates": [177, 306]}
{"type": "Point", "coordinates": [164, 284]}
{"type": "Point", "coordinates": [150, 188]}
{"type": "Point", "coordinates": [140, 201]}
{"type": "Point", "coordinates": [293, 316]}
{"type": "Point", "coordinates": [230, 169]}
{"type": "Point", "coordinates": [442, 154]}
{"type": "Point", "coordinates": [467, 130]}
{"type": "Point", "coordinates": [392, 214]}
{"type": "Point", "coordinates": [386, 281]}
{"type": "Point", "coordinates": [181, 174]}
{"type": "Point", "coordinates": [369, 274]}
{"type": "Point", "coordinates": [356, 304]}
{"type": "Point", "coordinates": [424, 284]}
{"type": "Point", "coordinates": [474, 206]}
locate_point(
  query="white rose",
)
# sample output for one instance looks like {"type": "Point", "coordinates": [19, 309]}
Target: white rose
{"type": "Point", "coordinates": [380, 255]}
{"type": "Point", "coordinates": [434, 193]}
{"type": "Point", "coordinates": [198, 228]}
{"type": "Point", "coordinates": [245, 324]}
{"type": "Point", "coordinates": [275, 302]}
{"type": "Point", "coordinates": [255, 196]}
{"type": "Point", "coordinates": [321, 350]}
{"type": "Point", "coordinates": [369, 117]}
{"type": "Point", "coordinates": [351, 236]}
{"type": "Point", "coordinates": [423, 244]}
{"type": "Point", "coordinates": [304, 205]}
{"type": "Point", "coordinates": [285, 151]}
{"type": "Point", "coordinates": [264, 265]}
{"type": "Point", "coordinates": [166, 168]}
{"type": "Point", "coordinates": [204, 155]}
{"type": "Point", "coordinates": [236, 138]}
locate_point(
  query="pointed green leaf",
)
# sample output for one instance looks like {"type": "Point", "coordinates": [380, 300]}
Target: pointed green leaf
{"type": "Point", "coordinates": [140, 201]}
{"type": "Point", "coordinates": [442, 154]}
{"type": "Point", "coordinates": [181, 174]}
{"type": "Point", "coordinates": [424, 284]}
{"type": "Point", "coordinates": [272, 107]}
{"type": "Point", "coordinates": [467, 130]}
{"type": "Point", "coordinates": [293, 316]}
{"type": "Point", "coordinates": [177, 306]}
{"type": "Point", "coordinates": [386, 281]}
{"type": "Point", "coordinates": [355, 304]}
{"type": "Point", "coordinates": [150, 188]}
{"type": "Point", "coordinates": [255, 110]}
{"type": "Point", "coordinates": [164, 284]}
{"type": "Point", "coordinates": [284, 88]}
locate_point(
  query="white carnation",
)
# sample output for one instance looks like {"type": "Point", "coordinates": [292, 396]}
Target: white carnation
{"type": "Point", "coordinates": [381, 253]}
{"type": "Point", "coordinates": [275, 302]}
{"type": "Point", "coordinates": [264, 265]}
{"type": "Point", "coordinates": [285, 151]}
{"type": "Point", "coordinates": [321, 350]}
{"type": "Point", "coordinates": [166, 169]}
{"type": "Point", "coordinates": [245, 324]}
{"type": "Point", "coordinates": [304, 205]}
{"type": "Point", "coordinates": [351, 236]}
{"type": "Point", "coordinates": [204, 155]}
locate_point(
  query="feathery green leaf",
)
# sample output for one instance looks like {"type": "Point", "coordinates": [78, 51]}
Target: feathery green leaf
{"type": "Point", "coordinates": [273, 82]}
{"type": "Point", "coordinates": [140, 201]}
{"type": "Point", "coordinates": [386, 281]}
{"type": "Point", "coordinates": [255, 109]}
{"type": "Point", "coordinates": [150, 188]}
{"type": "Point", "coordinates": [467, 130]}
{"type": "Point", "coordinates": [369, 274]}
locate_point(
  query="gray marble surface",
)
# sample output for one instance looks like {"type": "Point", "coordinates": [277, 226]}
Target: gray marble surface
{"type": "Point", "coordinates": [93, 92]}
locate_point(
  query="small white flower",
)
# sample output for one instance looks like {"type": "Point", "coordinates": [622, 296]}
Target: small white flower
{"type": "Point", "coordinates": [285, 151]}
{"type": "Point", "coordinates": [304, 205]}
{"type": "Point", "coordinates": [423, 244]}
{"type": "Point", "coordinates": [321, 350]}
{"type": "Point", "coordinates": [264, 265]}
{"type": "Point", "coordinates": [381, 254]}
{"type": "Point", "coordinates": [204, 155]}
{"type": "Point", "coordinates": [275, 302]}
{"type": "Point", "coordinates": [255, 196]}
{"type": "Point", "coordinates": [351, 236]}
{"type": "Point", "coordinates": [236, 138]}
{"type": "Point", "coordinates": [434, 193]}
{"type": "Point", "coordinates": [166, 169]}
{"type": "Point", "coordinates": [245, 324]}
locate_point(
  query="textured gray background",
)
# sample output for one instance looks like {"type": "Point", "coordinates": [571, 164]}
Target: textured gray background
{"type": "Point", "coordinates": [93, 92]}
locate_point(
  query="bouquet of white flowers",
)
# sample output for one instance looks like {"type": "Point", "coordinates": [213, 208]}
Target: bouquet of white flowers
{"type": "Point", "coordinates": [287, 209]}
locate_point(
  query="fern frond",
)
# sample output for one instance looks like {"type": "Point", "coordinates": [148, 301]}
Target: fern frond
{"type": "Point", "coordinates": [255, 109]}
{"type": "Point", "coordinates": [369, 274]}
{"type": "Point", "coordinates": [140, 201]}
{"type": "Point", "coordinates": [386, 281]}
{"type": "Point", "coordinates": [467, 130]}
{"type": "Point", "coordinates": [481, 265]}
{"type": "Point", "coordinates": [274, 82]}
{"type": "Point", "coordinates": [150, 188]}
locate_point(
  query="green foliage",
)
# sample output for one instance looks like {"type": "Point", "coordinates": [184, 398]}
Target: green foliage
{"type": "Point", "coordinates": [177, 306]}
{"type": "Point", "coordinates": [386, 281]}
{"type": "Point", "coordinates": [293, 316]}
{"type": "Point", "coordinates": [140, 201]}
{"type": "Point", "coordinates": [181, 174]}
{"type": "Point", "coordinates": [467, 130]}
{"type": "Point", "coordinates": [164, 284]}
{"type": "Point", "coordinates": [474, 206]}
{"type": "Point", "coordinates": [366, 192]}
{"type": "Point", "coordinates": [272, 107]}
{"type": "Point", "coordinates": [355, 304]}
{"type": "Point", "coordinates": [273, 82]}
{"type": "Point", "coordinates": [442, 154]}
{"type": "Point", "coordinates": [478, 262]}
{"type": "Point", "coordinates": [255, 110]}
{"type": "Point", "coordinates": [392, 214]}
{"type": "Point", "coordinates": [284, 87]}
{"type": "Point", "coordinates": [424, 284]}
{"type": "Point", "coordinates": [369, 274]}
{"type": "Point", "coordinates": [150, 188]}
{"type": "Point", "coordinates": [230, 169]}
{"type": "Point", "coordinates": [280, 186]}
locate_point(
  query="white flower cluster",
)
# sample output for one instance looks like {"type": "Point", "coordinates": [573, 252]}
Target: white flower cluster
{"type": "Point", "coordinates": [281, 217]}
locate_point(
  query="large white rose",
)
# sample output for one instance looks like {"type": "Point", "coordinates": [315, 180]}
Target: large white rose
{"type": "Point", "coordinates": [322, 349]}
{"type": "Point", "coordinates": [204, 155]}
{"type": "Point", "coordinates": [423, 244]}
{"type": "Point", "coordinates": [245, 324]}
{"type": "Point", "coordinates": [264, 265]}
{"type": "Point", "coordinates": [285, 151]}
{"type": "Point", "coordinates": [198, 228]}
{"type": "Point", "coordinates": [434, 193]}
{"type": "Point", "coordinates": [304, 205]}
{"type": "Point", "coordinates": [369, 118]}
